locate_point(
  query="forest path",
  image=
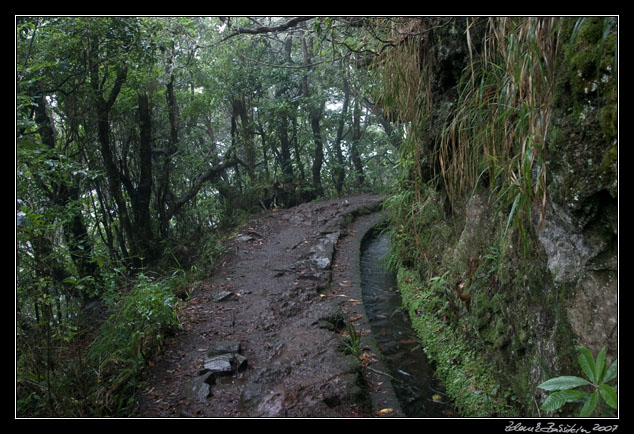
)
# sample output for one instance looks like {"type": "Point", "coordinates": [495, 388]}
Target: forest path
{"type": "Point", "coordinates": [261, 336]}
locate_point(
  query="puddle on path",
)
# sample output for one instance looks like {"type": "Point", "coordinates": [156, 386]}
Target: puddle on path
{"type": "Point", "coordinates": [419, 393]}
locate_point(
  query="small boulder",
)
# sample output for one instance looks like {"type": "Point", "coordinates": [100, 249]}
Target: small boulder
{"type": "Point", "coordinates": [199, 387]}
{"type": "Point", "coordinates": [239, 361]}
{"type": "Point", "coordinates": [224, 296]}
{"type": "Point", "coordinates": [224, 358]}
{"type": "Point", "coordinates": [223, 347]}
{"type": "Point", "coordinates": [218, 365]}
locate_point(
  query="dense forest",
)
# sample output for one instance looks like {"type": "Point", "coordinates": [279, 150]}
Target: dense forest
{"type": "Point", "coordinates": [142, 142]}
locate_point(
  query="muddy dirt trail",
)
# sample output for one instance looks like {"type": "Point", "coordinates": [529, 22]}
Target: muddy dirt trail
{"type": "Point", "coordinates": [262, 336]}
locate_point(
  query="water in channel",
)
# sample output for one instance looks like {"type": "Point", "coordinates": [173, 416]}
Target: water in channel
{"type": "Point", "coordinates": [419, 393]}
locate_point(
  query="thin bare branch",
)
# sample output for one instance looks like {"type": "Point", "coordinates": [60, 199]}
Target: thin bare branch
{"type": "Point", "coordinates": [267, 29]}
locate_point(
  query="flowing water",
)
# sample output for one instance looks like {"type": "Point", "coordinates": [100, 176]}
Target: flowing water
{"type": "Point", "coordinates": [418, 392]}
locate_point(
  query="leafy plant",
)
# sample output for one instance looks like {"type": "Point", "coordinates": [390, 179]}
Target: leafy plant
{"type": "Point", "coordinates": [352, 342]}
{"type": "Point", "coordinates": [130, 337]}
{"type": "Point", "coordinates": [569, 388]}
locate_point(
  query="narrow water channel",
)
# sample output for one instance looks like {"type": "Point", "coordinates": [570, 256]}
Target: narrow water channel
{"type": "Point", "coordinates": [418, 392]}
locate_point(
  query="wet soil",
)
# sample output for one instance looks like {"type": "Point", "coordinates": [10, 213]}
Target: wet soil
{"type": "Point", "coordinates": [284, 290]}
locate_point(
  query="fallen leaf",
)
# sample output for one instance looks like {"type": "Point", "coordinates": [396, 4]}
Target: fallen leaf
{"type": "Point", "coordinates": [384, 411]}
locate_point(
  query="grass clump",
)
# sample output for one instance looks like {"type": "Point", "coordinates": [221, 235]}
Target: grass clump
{"type": "Point", "coordinates": [352, 341]}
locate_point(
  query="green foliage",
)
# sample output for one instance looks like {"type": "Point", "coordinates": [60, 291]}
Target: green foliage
{"type": "Point", "coordinates": [490, 129]}
{"type": "Point", "coordinates": [593, 392]}
{"type": "Point", "coordinates": [129, 338]}
{"type": "Point", "coordinates": [502, 116]}
{"type": "Point", "coordinates": [419, 226]}
{"type": "Point", "coordinates": [592, 52]}
{"type": "Point", "coordinates": [103, 198]}
{"type": "Point", "coordinates": [77, 371]}
{"type": "Point", "coordinates": [352, 341]}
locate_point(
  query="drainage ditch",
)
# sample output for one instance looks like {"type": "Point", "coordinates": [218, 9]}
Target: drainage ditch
{"type": "Point", "coordinates": [419, 393]}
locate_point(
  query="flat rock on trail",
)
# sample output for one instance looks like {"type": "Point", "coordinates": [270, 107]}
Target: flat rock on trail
{"type": "Point", "coordinates": [271, 295]}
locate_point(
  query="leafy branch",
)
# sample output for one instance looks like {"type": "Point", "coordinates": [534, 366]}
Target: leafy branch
{"type": "Point", "coordinates": [565, 388]}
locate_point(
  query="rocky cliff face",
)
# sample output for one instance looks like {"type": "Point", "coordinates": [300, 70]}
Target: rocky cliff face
{"type": "Point", "coordinates": [580, 234]}
{"type": "Point", "coordinates": [532, 292]}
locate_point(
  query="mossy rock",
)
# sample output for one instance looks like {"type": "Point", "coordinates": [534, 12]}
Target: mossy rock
{"type": "Point", "coordinates": [592, 56]}
{"type": "Point", "coordinates": [608, 119]}
{"type": "Point", "coordinates": [582, 138]}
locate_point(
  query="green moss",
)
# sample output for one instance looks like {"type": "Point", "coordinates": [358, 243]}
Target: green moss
{"type": "Point", "coordinates": [609, 161]}
{"type": "Point", "coordinates": [585, 117]}
{"type": "Point", "coordinates": [465, 370]}
{"type": "Point", "coordinates": [608, 117]}
{"type": "Point", "coordinates": [591, 56]}
{"type": "Point", "coordinates": [591, 29]}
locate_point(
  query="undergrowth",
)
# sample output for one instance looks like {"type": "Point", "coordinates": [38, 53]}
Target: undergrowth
{"type": "Point", "coordinates": [90, 364]}
{"type": "Point", "coordinates": [95, 371]}
{"type": "Point", "coordinates": [129, 339]}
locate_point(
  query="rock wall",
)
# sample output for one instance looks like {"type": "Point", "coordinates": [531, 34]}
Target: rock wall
{"type": "Point", "coordinates": [524, 297]}
{"type": "Point", "coordinates": [580, 234]}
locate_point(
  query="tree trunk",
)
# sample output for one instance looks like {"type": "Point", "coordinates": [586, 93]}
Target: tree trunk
{"type": "Point", "coordinates": [285, 153]}
{"type": "Point", "coordinates": [102, 111]}
{"type": "Point", "coordinates": [339, 169]}
{"type": "Point", "coordinates": [295, 144]}
{"type": "Point", "coordinates": [354, 149]}
{"type": "Point", "coordinates": [212, 174]}
{"type": "Point", "coordinates": [318, 155]}
{"type": "Point", "coordinates": [244, 134]}
{"type": "Point", "coordinates": [163, 195]}
{"type": "Point", "coordinates": [315, 112]}
{"type": "Point", "coordinates": [265, 155]}
{"type": "Point", "coordinates": [143, 193]}
{"type": "Point", "coordinates": [63, 195]}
